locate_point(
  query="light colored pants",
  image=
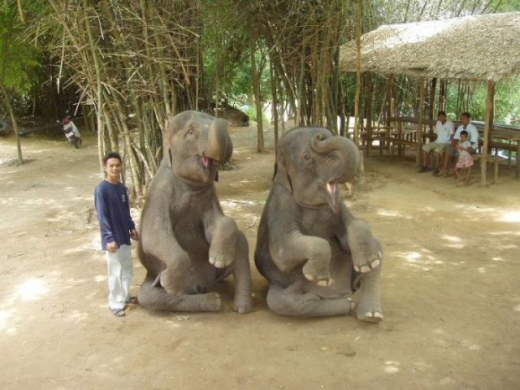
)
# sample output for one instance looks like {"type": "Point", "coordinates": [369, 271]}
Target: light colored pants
{"type": "Point", "coordinates": [120, 273]}
{"type": "Point", "coordinates": [436, 147]}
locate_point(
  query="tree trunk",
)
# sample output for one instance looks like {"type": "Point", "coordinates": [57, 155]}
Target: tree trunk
{"type": "Point", "coordinates": [260, 147]}
{"type": "Point", "coordinates": [7, 101]}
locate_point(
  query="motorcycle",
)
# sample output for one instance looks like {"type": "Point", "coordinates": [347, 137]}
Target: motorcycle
{"type": "Point", "coordinates": [71, 132]}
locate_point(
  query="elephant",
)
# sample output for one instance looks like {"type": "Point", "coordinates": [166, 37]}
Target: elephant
{"type": "Point", "coordinates": [313, 252]}
{"type": "Point", "coordinates": [187, 244]}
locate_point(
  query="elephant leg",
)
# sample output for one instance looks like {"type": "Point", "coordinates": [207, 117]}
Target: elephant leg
{"type": "Point", "coordinates": [369, 303]}
{"type": "Point", "coordinates": [365, 249]}
{"type": "Point", "coordinates": [311, 252]}
{"type": "Point", "coordinates": [154, 297]}
{"type": "Point", "coordinates": [173, 277]}
{"type": "Point", "coordinates": [294, 303]}
{"type": "Point", "coordinates": [171, 262]}
{"type": "Point", "coordinates": [222, 235]}
{"type": "Point", "coordinates": [242, 277]}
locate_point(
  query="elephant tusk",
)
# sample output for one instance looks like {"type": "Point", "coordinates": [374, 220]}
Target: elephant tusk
{"type": "Point", "coordinates": [332, 188]}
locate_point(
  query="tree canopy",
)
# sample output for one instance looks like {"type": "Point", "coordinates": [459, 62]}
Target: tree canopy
{"type": "Point", "coordinates": [135, 62]}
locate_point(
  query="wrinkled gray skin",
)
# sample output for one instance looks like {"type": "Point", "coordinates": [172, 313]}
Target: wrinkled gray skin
{"type": "Point", "coordinates": [312, 251]}
{"type": "Point", "coordinates": [187, 244]}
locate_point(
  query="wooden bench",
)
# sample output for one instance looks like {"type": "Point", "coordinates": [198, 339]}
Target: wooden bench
{"type": "Point", "coordinates": [490, 160]}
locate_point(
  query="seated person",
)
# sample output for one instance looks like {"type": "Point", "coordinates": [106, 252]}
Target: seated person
{"type": "Point", "coordinates": [444, 131]}
{"type": "Point", "coordinates": [451, 150]}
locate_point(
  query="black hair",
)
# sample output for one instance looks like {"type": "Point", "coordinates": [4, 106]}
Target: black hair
{"type": "Point", "coordinates": [466, 114]}
{"type": "Point", "coordinates": [464, 132]}
{"type": "Point", "coordinates": [443, 113]}
{"type": "Point", "coordinates": [110, 155]}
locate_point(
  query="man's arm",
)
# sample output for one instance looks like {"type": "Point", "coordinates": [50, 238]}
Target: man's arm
{"type": "Point", "coordinates": [456, 137]}
{"type": "Point", "coordinates": [102, 213]}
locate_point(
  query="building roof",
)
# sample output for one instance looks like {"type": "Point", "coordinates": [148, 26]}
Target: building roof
{"type": "Point", "coordinates": [480, 47]}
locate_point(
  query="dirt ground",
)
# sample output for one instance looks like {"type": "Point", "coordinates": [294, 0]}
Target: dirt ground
{"type": "Point", "coordinates": [450, 289]}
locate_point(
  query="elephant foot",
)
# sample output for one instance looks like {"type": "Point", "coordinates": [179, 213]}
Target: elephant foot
{"type": "Point", "coordinates": [221, 259]}
{"type": "Point", "coordinates": [367, 266]}
{"type": "Point", "coordinates": [373, 317]}
{"type": "Point", "coordinates": [369, 311]}
{"type": "Point", "coordinates": [210, 301]}
{"type": "Point", "coordinates": [243, 305]}
{"type": "Point", "coordinates": [320, 278]}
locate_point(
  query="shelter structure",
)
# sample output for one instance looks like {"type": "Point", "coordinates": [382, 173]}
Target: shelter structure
{"type": "Point", "coordinates": [480, 48]}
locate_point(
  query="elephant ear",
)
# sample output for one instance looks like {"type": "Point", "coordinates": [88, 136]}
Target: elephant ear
{"type": "Point", "coordinates": [280, 165]}
{"type": "Point", "coordinates": [167, 135]}
{"type": "Point", "coordinates": [173, 125]}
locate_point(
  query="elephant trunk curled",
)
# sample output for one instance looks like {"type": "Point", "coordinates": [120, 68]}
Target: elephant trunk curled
{"type": "Point", "coordinates": [219, 146]}
{"type": "Point", "coordinates": [342, 147]}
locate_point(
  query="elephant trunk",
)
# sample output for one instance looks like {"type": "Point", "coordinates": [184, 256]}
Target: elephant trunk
{"type": "Point", "coordinates": [342, 147]}
{"type": "Point", "coordinates": [219, 147]}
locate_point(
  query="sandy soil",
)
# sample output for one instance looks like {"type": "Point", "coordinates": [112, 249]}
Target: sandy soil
{"type": "Point", "coordinates": [450, 289]}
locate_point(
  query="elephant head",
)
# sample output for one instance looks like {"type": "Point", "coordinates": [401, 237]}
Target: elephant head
{"type": "Point", "coordinates": [311, 162]}
{"type": "Point", "coordinates": [194, 145]}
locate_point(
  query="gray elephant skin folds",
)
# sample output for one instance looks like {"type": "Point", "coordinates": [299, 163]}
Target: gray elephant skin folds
{"type": "Point", "coordinates": [187, 243]}
{"type": "Point", "coordinates": [310, 248]}
{"type": "Point", "coordinates": [315, 255]}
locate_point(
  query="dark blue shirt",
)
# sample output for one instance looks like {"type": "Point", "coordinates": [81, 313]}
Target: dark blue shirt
{"type": "Point", "coordinates": [113, 211]}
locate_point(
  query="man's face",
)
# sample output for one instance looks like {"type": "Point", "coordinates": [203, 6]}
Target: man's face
{"type": "Point", "coordinates": [442, 118]}
{"type": "Point", "coordinates": [464, 120]}
{"type": "Point", "coordinates": [113, 169]}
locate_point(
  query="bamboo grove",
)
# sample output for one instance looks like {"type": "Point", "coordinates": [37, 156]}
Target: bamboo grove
{"type": "Point", "coordinates": [133, 63]}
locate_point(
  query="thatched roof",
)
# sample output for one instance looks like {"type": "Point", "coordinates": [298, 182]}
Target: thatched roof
{"type": "Point", "coordinates": [483, 47]}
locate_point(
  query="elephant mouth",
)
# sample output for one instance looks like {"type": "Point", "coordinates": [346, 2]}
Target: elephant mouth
{"type": "Point", "coordinates": [206, 161]}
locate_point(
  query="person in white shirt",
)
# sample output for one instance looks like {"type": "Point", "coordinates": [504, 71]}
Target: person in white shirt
{"type": "Point", "coordinates": [465, 125]}
{"type": "Point", "coordinates": [444, 131]}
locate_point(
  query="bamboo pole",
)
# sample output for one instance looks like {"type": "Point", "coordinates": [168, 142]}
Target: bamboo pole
{"type": "Point", "coordinates": [359, 32]}
{"type": "Point", "coordinates": [487, 129]}
{"type": "Point", "coordinates": [368, 111]}
{"type": "Point", "coordinates": [420, 122]}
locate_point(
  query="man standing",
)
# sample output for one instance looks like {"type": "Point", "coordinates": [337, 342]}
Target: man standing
{"type": "Point", "coordinates": [451, 150]}
{"type": "Point", "coordinates": [117, 227]}
{"type": "Point", "coordinates": [444, 131]}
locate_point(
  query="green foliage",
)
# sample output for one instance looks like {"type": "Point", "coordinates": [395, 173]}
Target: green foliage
{"type": "Point", "coordinates": [473, 100]}
{"type": "Point", "coordinates": [227, 44]}
{"type": "Point", "coordinates": [18, 60]}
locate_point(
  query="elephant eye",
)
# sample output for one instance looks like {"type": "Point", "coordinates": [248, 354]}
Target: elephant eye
{"type": "Point", "coordinates": [307, 156]}
{"type": "Point", "coordinates": [190, 131]}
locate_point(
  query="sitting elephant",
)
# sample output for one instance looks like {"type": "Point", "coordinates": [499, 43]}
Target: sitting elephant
{"type": "Point", "coordinates": [310, 248]}
{"type": "Point", "coordinates": [187, 244]}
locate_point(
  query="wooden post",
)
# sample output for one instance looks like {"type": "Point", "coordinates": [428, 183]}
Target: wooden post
{"type": "Point", "coordinates": [490, 101]}
{"type": "Point", "coordinates": [368, 111]}
{"type": "Point", "coordinates": [420, 122]}
{"type": "Point", "coordinates": [442, 95]}
{"type": "Point", "coordinates": [431, 102]}
{"type": "Point", "coordinates": [389, 100]}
